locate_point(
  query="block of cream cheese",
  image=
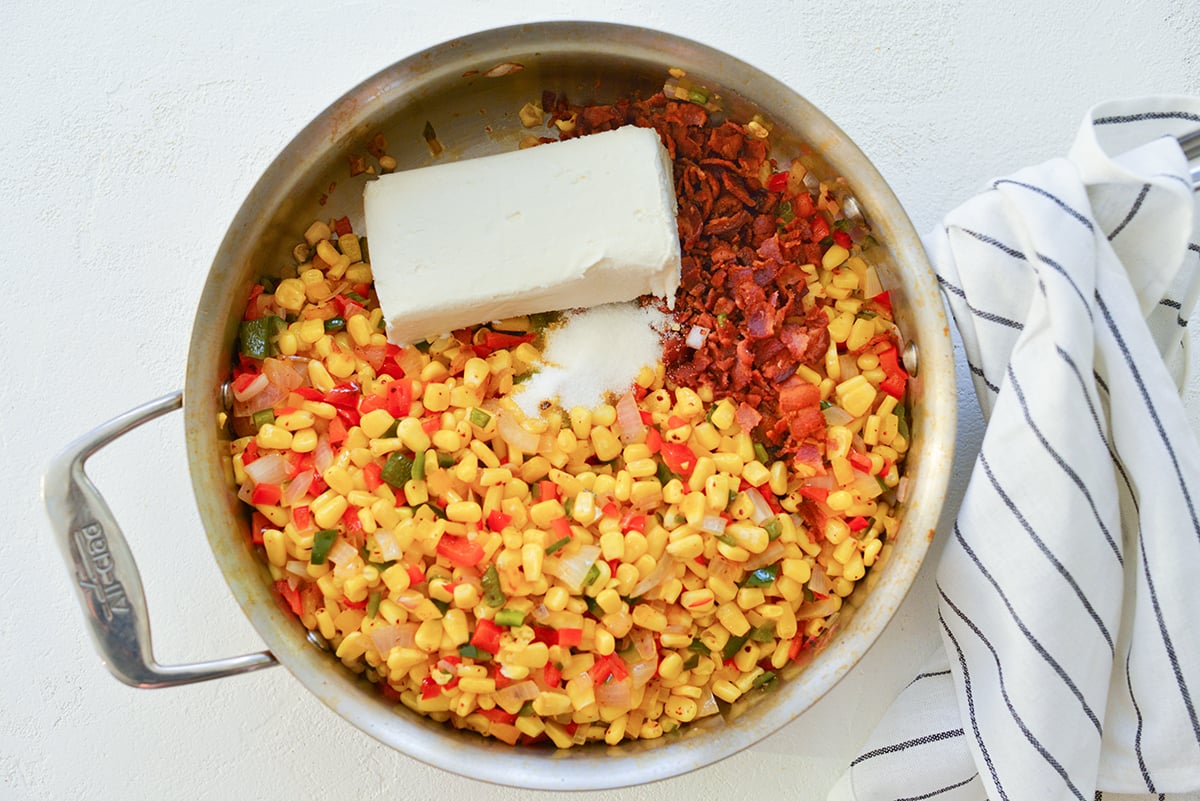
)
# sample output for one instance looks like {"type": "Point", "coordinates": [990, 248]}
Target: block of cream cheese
{"type": "Point", "coordinates": [563, 225]}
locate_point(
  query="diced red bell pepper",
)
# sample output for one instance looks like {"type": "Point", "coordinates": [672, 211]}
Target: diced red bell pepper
{"type": "Point", "coordinates": [815, 493]}
{"type": "Point", "coordinates": [372, 476]}
{"type": "Point", "coordinates": [302, 517]}
{"type": "Point", "coordinates": [258, 524]}
{"type": "Point", "coordinates": [460, 550]}
{"type": "Point", "coordinates": [399, 397]}
{"type": "Point", "coordinates": [857, 523]}
{"type": "Point", "coordinates": [371, 403]}
{"type": "Point", "coordinates": [486, 636]}
{"type": "Point", "coordinates": [859, 460]}
{"type": "Point", "coordinates": [310, 393]}
{"type": "Point", "coordinates": [633, 522]}
{"type": "Point", "coordinates": [337, 431]}
{"type": "Point", "coordinates": [497, 520]}
{"type": "Point", "coordinates": [820, 227]}
{"type": "Point", "coordinates": [430, 688]}
{"type": "Point", "coordinates": [605, 666]}
{"type": "Point", "coordinates": [647, 417]}
{"type": "Point", "coordinates": [884, 299]}
{"type": "Point", "coordinates": [610, 510]}
{"type": "Point", "coordinates": [291, 595]}
{"type": "Point", "coordinates": [570, 637]}
{"type": "Point", "coordinates": [243, 381]}
{"type": "Point", "coordinates": [343, 396]}
{"type": "Point", "coordinates": [545, 634]}
{"type": "Point", "coordinates": [251, 452]}
{"type": "Point", "coordinates": [551, 675]}
{"type": "Point", "coordinates": [675, 421]}
{"type": "Point", "coordinates": [351, 523]}
{"type": "Point", "coordinates": [894, 386]}
{"type": "Point", "coordinates": [547, 490]}
{"type": "Point", "coordinates": [842, 238]}
{"type": "Point", "coordinates": [346, 602]}
{"type": "Point", "coordinates": [679, 458]}
{"type": "Point", "coordinates": [415, 575]}
{"type": "Point", "coordinates": [561, 527]}
{"type": "Point", "coordinates": [497, 715]}
{"type": "Point", "coordinates": [342, 226]}
{"type": "Point", "coordinates": [777, 182]}
{"type": "Point", "coordinates": [795, 648]}
{"type": "Point", "coordinates": [265, 494]}
{"type": "Point", "coordinates": [431, 424]}
{"type": "Point", "coordinates": [654, 440]}
{"type": "Point", "coordinates": [253, 312]}
{"type": "Point", "coordinates": [496, 339]}
{"type": "Point", "coordinates": [389, 692]}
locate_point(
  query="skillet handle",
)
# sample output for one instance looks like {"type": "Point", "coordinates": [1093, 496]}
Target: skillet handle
{"type": "Point", "coordinates": [105, 575]}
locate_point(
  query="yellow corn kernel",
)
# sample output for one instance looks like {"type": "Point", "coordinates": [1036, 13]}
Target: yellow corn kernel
{"type": "Point", "coordinates": [375, 423]}
{"type": "Point", "coordinates": [436, 397]}
{"type": "Point", "coordinates": [697, 601]}
{"type": "Point", "coordinates": [604, 642]}
{"type": "Point", "coordinates": [834, 258]}
{"type": "Point", "coordinates": [464, 512]}
{"type": "Point", "coordinates": [844, 550]}
{"type": "Point", "coordinates": [319, 377]}
{"type": "Point", "coordinates": [754, 539]}
{"type": "Point", "coordinates": [475, 684]}
{"type": "Point", "coordinates": [534, 655]}
{"type": "Point", "coordinates": [615, 732]}
{"type": "Point", "coordinates": [549, 704]}
{"type": "Point", "coordinates": [836, 531]}
{"type": "Point", "coordinates": [648, 617]}
{"type": "Point", "coordinates": [756, 473]}
{"type": "Point", "coordinates": [532, 555]}
{"type": "Point", "coordinates": [871, 552]}
{"type": "Point", "coordinates": [840, 327]}
{"type": "Point", "coordinates": [409, 432]}
{"type": "Point", "coordinates": [304, 441]}
{"type": "Point", "coordinates": [726, 691]}
{"type": "Point", "coordinates": [687, 548]}
{"type": "Point", "coordinates": [856, 395]}
{"type": "Point", "coordinates": [705, 468]}
{"type": "Point", "coordinates": [276, 546]}
{"type": "Point", "coordinates": [860, 334]}
{"type": "Point", "coordinates": [723, 414]}
{"type": "Point", "coordinates": [671, 666]}
{"type": "Point", "coordinates": [272, 436]}
{"type": "Point", "coordinates": [290, 294]}
{"type": "Point", "coordinates": [750, 597]}
{"type": "Point", "coordinates": [731, 617]}
{"type": "Point", "coordinates": [339, 479]}
{"type": "Point", "coordinates": [839, 500]}
{"type": "Point", "coordinates": [855, 568]}
{"type": "Point", "coordinates": [604, 443]}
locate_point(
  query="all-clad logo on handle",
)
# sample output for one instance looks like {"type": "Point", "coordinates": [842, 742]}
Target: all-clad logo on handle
{"type": "Point", "coordinates": [98, 575]}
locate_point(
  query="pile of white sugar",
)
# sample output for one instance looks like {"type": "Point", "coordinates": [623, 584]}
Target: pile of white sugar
{"type": "Point", "coordinates": [593, 352]}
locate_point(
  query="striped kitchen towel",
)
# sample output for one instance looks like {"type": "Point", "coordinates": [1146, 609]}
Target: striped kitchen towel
{"type": "Point", "coordinates": [1067, 593]}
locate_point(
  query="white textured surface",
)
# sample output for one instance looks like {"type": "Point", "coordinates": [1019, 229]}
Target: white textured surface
{"type": "Point", "coordinates": [129, 139]}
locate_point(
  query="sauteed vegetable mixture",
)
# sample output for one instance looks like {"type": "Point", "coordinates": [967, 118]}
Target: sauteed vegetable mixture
{"type": "Point", "coordinates": [591, 574]}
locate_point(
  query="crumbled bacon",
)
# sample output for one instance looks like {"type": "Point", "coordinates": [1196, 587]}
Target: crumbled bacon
{"type": "Point", "coordinates": [741, 276]}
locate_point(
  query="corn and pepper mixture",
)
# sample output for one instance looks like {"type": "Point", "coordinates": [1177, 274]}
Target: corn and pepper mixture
{"type": "Point", "coordinates": [594, 574]}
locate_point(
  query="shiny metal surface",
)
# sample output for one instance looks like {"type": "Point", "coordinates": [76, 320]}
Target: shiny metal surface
{"type": "Point", "coordinates": [106, 577]}
{"type": "Point", "coordinates": [472, 114]}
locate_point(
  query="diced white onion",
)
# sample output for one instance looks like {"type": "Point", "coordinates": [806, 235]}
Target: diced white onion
{"type": "Point", "coordinates": [761, 510]}
{"type": "Point", "coordinates": [615, 693]}
{"type": "Point", "coordinates": [342, 552]}
{"type": "Point", "coordinates": [297, 568]}
{"type": "Point", "coordinates": [643, 642]}
{"type": "Point", "coordinates": [773, 553]}
{"type": "Point", "coordinates": [513, 433]}
{"type": "Point", "coordinates": [389, 549]}
{"type": "Point", "coordinates": [516, 694]}
{"type": "Point", "coordinates": [641, 672]}
{"type": "Point", "coordinates": [696, 336]}
{"type": "Point", "coordinates": [253, 388]}
{"type": "Point", "coordinates": [714, 524]}
{"type": "Point", "coordinates": [707, 705]}
{"type": "Point", "coordinates": [323, 454]}
{"type": "Point", "coordinates": [297, 488]}
{"type": "Point", "coordinates": [388, 637]}
{"type": "Point", "coordinates": [573, 569]}
{"type": "Point", "coordinates": [654, 577]}
{"type": "Point", "coordinates": [270, 469]}
{"type": "Point", "coordinates": [629, 420]}
{"type": "Point", "coordinates": [819, 582]}
{"type": "Point", "coordinates": [836, 416]}
{"type": "Point", "coordinates": [871, 284]}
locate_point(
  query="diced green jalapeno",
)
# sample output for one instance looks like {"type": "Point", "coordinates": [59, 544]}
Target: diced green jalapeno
{"type": "Point", "coordinates": [762, 577]}
{"type": "Point", "coordinates": [322, 542]}
{"type": "Point", "coordinates": [469, 651]}
{"type": "Point", "coordinates": [255, 336]}
{"type": "Point", "coordinates": [554, 546]}
{"type": "Point", "coordinates": [493, 596]}
{"type": "Point", "coordinates": [510, 617]}
{"type": "Point", "coordinates": [261, 418]}
{"type": "Point", "coordinates": [398, 470]}
{"type": "Point", "coordinates": [479, 417]}
{"type": "Point", "coordinates": [733, 645]}
{"type": "Point", "coordinates": [760, 453]}
{"type": "Point", "coordinates": [764, 678]}
{"type": "Point", "coordinates": [373, 603]}
{"type": "Point", "coordinates": [763, 633]}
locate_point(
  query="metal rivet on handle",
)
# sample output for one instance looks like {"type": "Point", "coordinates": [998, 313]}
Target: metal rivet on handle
{"type": "Point", "coordinates": [911, 362]}
{"type": "Point", "coordinates": [227, 396]}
